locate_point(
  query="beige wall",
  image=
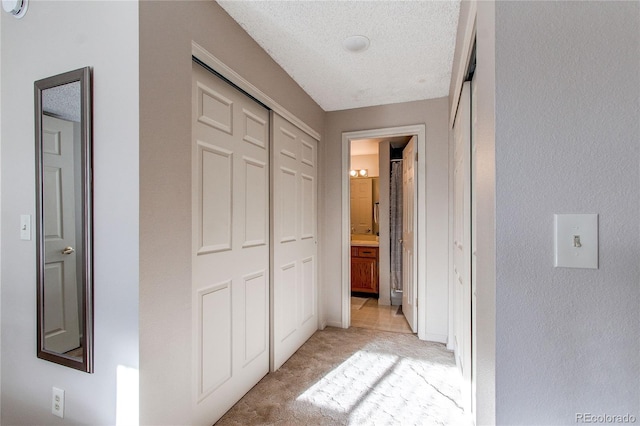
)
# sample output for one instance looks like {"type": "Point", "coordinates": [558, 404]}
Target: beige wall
{"type": "Point", "coordinates": [369, 162]}
{"type": "Point", "coordinates": [52, 38]}
{"type": "Point", "coordinates": [166, 32]}
{"type": "Point", "coordinates": [434, 114]}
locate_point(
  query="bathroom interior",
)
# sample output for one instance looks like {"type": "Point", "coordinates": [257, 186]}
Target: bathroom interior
{"type": "Point", "coordinates": [376, 232]}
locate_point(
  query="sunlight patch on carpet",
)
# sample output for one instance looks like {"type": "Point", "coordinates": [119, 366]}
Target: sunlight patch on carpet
{"type": "Point", "coordinates": [393, 400]}
{"type": "Point", "coordinates": [346, 386]}
{"type": "Point", "coordinates": [372, 387]}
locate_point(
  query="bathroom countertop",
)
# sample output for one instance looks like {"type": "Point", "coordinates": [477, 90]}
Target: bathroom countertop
{"type": "Point", "coordinates": [358, 243]}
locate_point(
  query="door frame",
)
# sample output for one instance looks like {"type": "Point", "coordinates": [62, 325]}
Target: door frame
{"type": "Point", "coordinates": [420, 131]}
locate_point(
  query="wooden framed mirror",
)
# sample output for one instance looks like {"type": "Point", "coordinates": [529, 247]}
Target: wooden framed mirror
{"type": "Point", "coordinates": [64, 219]}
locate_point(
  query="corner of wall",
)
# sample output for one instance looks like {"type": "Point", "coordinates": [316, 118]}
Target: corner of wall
{"type": "Point", "coordinates": [486, 214]}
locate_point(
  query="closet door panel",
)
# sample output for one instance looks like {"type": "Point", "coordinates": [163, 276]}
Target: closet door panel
{"type": "Point", "coordinates": [230, 257]}
{"type": "Point", "coordinates": [294, 192]}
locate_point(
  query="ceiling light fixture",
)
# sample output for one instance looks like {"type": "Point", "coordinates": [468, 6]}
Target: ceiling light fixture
{"type": "Point", "coordinates": [17, 8]}
{"type": "Point", "coordinates": [356, 43]}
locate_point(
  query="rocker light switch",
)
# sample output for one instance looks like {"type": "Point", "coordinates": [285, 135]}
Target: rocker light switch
{"type": "Point", "coordinates": [25, 227]}
{"type": "Point", "coordinates": [576, 241]}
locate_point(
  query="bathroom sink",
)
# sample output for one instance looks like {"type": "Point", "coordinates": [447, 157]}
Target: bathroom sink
{"type": "Point", "coordinates": [363, 243]}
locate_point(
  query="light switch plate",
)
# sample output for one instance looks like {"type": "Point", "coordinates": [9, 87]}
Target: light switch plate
{"type": "Point", "coordinates": [576, 241]}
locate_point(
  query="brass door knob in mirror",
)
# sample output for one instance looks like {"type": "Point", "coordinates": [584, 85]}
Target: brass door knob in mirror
{"type": "Point", "coordinates": [68, 250]}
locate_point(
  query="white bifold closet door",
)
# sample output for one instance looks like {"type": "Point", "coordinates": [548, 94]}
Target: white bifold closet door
{"type": "Point", "coordinates": [462, 241]}
{"type": "Point", "coordinates": [294, 192]}
{"type": "Point", "coordinates": [230, 213]}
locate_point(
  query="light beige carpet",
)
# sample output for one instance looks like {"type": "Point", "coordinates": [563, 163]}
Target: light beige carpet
{"type": "Point", "coordinates": [357, 377]}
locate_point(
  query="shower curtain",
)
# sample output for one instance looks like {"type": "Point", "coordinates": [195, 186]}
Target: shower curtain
{"type": "Point", "coordinates": [395, 225]}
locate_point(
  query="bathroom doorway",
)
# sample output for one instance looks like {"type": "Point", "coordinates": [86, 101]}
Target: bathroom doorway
{"type": "Point", "coordinates": [366, 227]}
{"type": "Point", "coordinates": [376, 221]}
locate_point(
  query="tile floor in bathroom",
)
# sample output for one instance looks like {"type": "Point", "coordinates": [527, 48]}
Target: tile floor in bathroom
{"type": "Point", "coordinates": [377, 317]}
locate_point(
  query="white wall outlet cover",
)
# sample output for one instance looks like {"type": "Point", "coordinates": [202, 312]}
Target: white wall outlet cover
{"type": "Point", "coordinates": [57, 402]}
{"type": "Point", "coordinates": [17, 8]}
{"type": "Point", "coordinates": [576, 241]}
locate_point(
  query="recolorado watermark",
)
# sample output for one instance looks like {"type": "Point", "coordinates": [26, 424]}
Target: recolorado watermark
{"type": "Point", "coordinates": [605, 418]}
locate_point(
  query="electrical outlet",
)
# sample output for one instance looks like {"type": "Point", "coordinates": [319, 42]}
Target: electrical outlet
{"type": "Point", "coordinates": [57, 402]}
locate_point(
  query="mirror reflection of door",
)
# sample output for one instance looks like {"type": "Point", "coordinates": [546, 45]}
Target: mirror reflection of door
{"type": "Point", "coordinates": [61, 317]}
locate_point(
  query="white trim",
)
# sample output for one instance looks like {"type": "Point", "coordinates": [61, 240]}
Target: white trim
{"type": "Point", "coordinates": [346, 231]}
{"type": "Point", "coordinates": [440, 338]}
{"type": "Point", "coordinates": [221, 68]}
{"type": "Point", "coordinates": [470, 36]}
{"type": "Point", "coordinates": [336, 324]}
{"type": "Point", "coordinates": [460, 73]}
{"type": "Point", "coordinates": [450, 248]}
{"type": "Point", "coordinates": [420, 131]}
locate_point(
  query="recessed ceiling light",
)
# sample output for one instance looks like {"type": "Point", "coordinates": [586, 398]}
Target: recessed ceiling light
{"type": "Point", "coordinates": [356, 43]}
{"type": "Point", "coordinates": [17, 8]}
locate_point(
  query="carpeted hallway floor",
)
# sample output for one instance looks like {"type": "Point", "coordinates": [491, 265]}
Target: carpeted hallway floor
{"type": "Point", "coordinates": [357, 377]}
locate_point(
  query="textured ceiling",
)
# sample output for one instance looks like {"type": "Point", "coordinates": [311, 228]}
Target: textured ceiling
{"type": "Point", "coordinates": [410, 56]}
{"type": "Point", "coordinates": [63, 101]}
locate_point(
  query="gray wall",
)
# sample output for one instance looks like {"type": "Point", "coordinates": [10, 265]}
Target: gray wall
{"type": "Point", "coordinates": [52, 38]}
{"type": "Point", "coordinates": [434, 114]}
{"type": "Point", "coordinates": [485, 186]}
{"type": "Point", "coordinates": [567, 141]}
{"type": "Point", "coordinates": [166, 32]}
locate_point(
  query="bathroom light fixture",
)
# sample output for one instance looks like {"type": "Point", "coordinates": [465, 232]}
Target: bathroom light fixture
{"type": "Point", "coordinates": [17, 8]}
{"type": "Point", "coordinates": [356, 43]}
{"type": "Point", "coordinates": [359, 173]}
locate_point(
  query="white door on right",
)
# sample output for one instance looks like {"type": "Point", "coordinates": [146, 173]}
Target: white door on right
{"type": "Point", "coordinates": [474, 229]}
{"type": "Point", "coordinates": [409, 242]}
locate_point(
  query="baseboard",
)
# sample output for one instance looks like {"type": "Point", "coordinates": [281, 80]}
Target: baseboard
{"type": "Point", "coordinates": [337, 324]}
{"type": "Point", "coordinates": [438, 338]}
{"type": "Point", "coordinates": [322, 325]}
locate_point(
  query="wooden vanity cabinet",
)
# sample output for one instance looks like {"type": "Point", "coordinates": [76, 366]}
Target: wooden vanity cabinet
{"type": "Point", "coordinates": [364, 269]}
